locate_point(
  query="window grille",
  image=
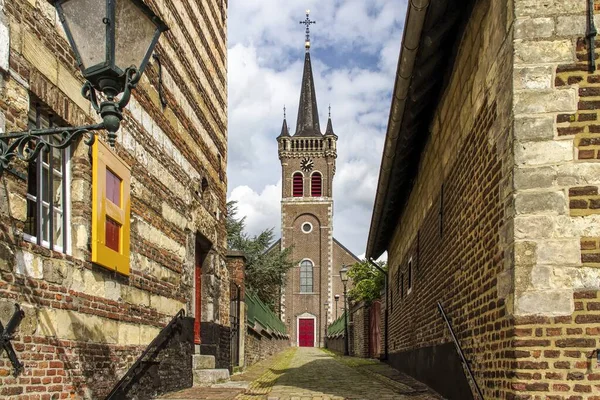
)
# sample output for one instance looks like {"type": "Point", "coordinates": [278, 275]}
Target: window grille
{"type": "Point", "coordinates": [306, 277]}
{"type": "Point", "coordinates": [48, 181]}
{"type": "Point", "coordinates": [315, 186]}
{"type": "Point", "coordinates": [298, 185]}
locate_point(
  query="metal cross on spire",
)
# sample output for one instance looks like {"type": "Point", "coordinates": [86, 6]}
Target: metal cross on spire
{"type": "Point", "coordinates": [307, 22]}
{"type": "Point", "coordinates": [284, 110]}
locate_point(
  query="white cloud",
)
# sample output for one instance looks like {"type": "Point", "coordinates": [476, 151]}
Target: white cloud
{"type": "Point", "coordinates": [354, 56]}
{"type": "Point", "coordinates": [260, 209]}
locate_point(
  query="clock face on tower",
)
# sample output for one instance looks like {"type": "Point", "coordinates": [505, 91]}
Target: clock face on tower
{"type": "Point", "coordinates": [306, 164]}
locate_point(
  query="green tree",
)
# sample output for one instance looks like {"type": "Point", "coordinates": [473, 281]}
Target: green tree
{"type": "Point", "coordinates": [265, 269]}
{"type": "Point", "coordinates": [367, 281]}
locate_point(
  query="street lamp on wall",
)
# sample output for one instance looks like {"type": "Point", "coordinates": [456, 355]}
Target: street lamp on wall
{"type": "Point", "coordinates": [112, 41]}
{"type": "Point", "coordinates": [337, 298]}
{"type": "Point", "coordinates": [344, 278]}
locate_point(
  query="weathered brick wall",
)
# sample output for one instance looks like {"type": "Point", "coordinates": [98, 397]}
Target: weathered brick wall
{"type": "Point", "coordinates": [454, 226]}
{"type": "Point", "coordinates": [85, 325]}
{"type": "Point", "coordinates": [360, 330]}
{"type": "Point", "coordinates": [557, 282]}
{"type": "Point", "coordinates": [259, 346]}
{"type": "Point", "coordinates": [336, 344]}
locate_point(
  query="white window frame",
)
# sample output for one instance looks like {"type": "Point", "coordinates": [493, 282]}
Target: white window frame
{"type": "Point", "coordinates": [66, 210]}
{"type": "Point", "coordinates": [312, 277]}
{"type": "Point", "coordinates": [302, 227]}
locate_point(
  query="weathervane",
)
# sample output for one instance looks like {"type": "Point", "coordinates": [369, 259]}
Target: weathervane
{"type": "Point", "coordinates": [330, 111]}
{"type": "Point", "coordinates": [284, 111]}
{"type": "Point", "coordinates": [307, 22]}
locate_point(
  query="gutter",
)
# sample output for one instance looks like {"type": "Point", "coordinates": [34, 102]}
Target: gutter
{"type": "Point", "coordinates": [387, 306]}
{"type": "Point", "coordinates": [415, 18]}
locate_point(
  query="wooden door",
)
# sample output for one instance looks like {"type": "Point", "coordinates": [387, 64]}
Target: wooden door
{"type": "Point", "coordinates": [374, 330]}
{"type": "Point", "coordinates": [306, 332]}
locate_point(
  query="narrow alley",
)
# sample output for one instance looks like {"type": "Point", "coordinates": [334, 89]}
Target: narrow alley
{"type": "Point", "coordinates": [312, 373]}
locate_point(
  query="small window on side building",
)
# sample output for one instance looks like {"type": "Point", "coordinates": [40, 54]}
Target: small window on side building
{"type": "Point", "coordinates": [48, 189]}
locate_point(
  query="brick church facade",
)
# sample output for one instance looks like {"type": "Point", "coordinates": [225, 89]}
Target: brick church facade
{"type": "Point", "coordinates": [488, 199]}
{"type": "Point", "coordinates": [308, 167]}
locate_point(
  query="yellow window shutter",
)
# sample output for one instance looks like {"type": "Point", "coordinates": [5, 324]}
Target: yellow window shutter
{"type": "Point", "coordinates": [111, 208]}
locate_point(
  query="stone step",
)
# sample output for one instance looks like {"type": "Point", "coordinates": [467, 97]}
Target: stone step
{"type": "Point", "coordinates": [206, 377]}
{"type": "Point", "coordinates": [201, 361]}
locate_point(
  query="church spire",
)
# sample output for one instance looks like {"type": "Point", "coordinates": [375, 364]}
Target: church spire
{"type": "Point", "coordinates": [284, 127]}
{"type": "Point", "coordinates": [329, 130]}
{"type": "Point", "coordinates": [308, 114]}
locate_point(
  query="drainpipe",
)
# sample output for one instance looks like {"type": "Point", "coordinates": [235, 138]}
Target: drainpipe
{"type": "Point", "coordinates": [387, 305]}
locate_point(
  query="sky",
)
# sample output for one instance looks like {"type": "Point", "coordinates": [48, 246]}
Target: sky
{"type": "Point", "coordinates": [354, 52]}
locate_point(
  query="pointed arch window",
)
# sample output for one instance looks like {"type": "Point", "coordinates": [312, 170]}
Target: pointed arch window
{"type": "Point", "coordinates": [306, 276]}
{"type": "Point", "coordinates": [298, 185]}
{"type": "Point", "coordinates": [316, 183]}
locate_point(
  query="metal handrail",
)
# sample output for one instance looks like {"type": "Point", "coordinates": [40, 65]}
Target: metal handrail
{"type": "Point", "coordinates": [459, 350]}
{"type": "Point", "coordinates": [128, 375]}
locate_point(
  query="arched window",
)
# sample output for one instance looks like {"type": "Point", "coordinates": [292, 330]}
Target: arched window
{"type": "Point", "coordinates": [298, 185]}
{"type": "Point", "coordinates": [306, 277]}
{"type": "Point", "coordinates": [315, 185]}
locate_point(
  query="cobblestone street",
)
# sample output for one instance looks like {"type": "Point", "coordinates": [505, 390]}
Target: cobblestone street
{"type": "Point", "coordinates": [311, 373]}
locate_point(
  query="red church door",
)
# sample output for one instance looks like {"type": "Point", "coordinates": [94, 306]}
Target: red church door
{"type": "Point", "coordinates": [306, 332]}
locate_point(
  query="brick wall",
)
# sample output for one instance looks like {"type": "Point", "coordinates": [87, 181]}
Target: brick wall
{"type": "Point", "coordinates": [450, 240]}
{"type": "Point", "coordinates": [556, 182]}
{"type": "Point", "coordinates": [360, 330]}
{"type": "Point", "coordinates": [502, 222]}
{"type": "Point", "coordinates": [259, 346]}
{"type": "Point", "coordinates": [85, 325]}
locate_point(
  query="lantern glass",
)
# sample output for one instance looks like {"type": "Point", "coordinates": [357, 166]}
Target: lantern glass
{"type": "Point", "coordinates": [344, 274]}
{"type": "Point", "coordinates": [135, 33]}
{"type": "Point", "coordinates": [84, 19]}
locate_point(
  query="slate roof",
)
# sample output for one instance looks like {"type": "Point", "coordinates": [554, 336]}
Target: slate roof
{"type": "Point", "coordinates": [308, 114]}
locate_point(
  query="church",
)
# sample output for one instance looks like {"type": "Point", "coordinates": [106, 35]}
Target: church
{"type": "Point", "coordinates": [308, 300]}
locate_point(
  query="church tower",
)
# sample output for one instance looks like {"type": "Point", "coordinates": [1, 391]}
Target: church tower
{"type": "Point", "coordinates": [308, 167]}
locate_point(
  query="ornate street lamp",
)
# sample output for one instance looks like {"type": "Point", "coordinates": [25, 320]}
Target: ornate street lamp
{"type": "Point", "coordinates": [344, 278]}
{"type": "Point", "coordinates": [112, 41]}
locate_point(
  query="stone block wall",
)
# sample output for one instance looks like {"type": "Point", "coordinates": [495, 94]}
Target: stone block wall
{"type": "Point", "coordinates": [556, 275]}
{"type": "Point", "coordinates": [86, 325]}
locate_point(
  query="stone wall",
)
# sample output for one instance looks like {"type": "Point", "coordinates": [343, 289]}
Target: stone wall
{"type": "Point", "coordinates": [336, 344]}
{"type": "Point", "coordinates": [167, 370]}
{"type": "Point", "coordinates": [85, 325]}
{"type": "Point", "coordinates": [360, 330]}
{"type": "Point", "coordinates": [450, 241]}
{"type": "Point", "coordinates": [259, 345]}
{"type": "Point", "coordinates": [556, 224]}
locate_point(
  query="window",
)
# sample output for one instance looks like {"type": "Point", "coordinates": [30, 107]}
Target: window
{"type": "Point", "coordinates": [48, 178]}
{"type": "Point", "coordinates": [307, 227]}
{"type": "Point", "coordinates": [315, 185]}
{"type": "Point", "coordinates": [298, 185]}
{"type": "Point", "coordinates": [402, 286]}
{"type": "Point", "coordinates": [306, 277]}
{"type": "Point", "coordinates": [110, 209]}
{"type": "Point", "coordinates": [409, 275]}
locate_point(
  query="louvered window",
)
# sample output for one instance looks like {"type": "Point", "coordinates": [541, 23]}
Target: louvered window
{"type": "Point", "coordinates": [298, 189]}
{"type": "Point", "coordinates": [315, 185]}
